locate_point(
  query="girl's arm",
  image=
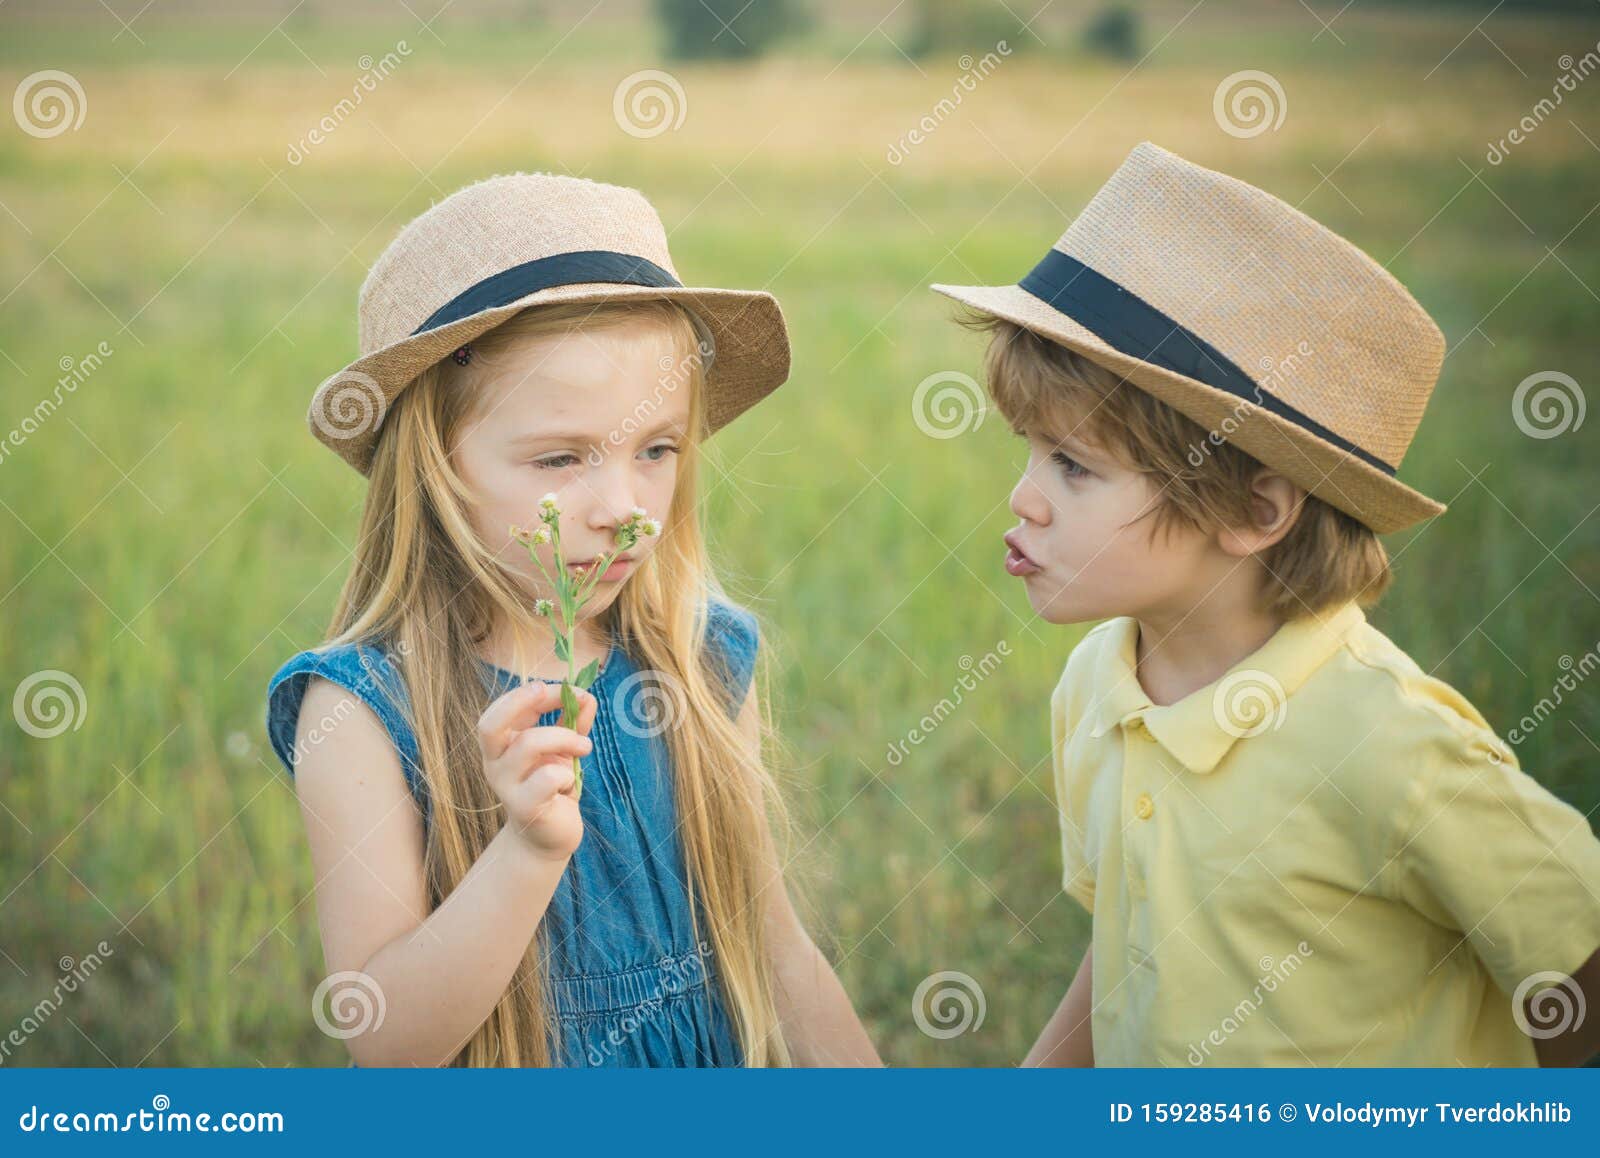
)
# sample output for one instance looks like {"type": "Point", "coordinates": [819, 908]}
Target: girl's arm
{"type": "Point", "coordinates": [437, 975]}
{"type": "Point", "coordinates": [819, 1024]}
{"type": "Point", "coordinates": [1066, 1040]}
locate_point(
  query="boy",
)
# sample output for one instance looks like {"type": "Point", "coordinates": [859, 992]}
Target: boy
{"type": "Point", "coordinates": [1297, 846]}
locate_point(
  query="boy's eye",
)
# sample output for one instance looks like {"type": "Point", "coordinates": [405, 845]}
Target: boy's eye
{"type": "Point", "coordinates": [1069, 465]}
{"type": "Point", "coordinates": [659, 453]}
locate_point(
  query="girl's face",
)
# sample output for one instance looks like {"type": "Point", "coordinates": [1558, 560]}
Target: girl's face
{"type": "Point", "coordinates": [1083, 549]}
{"type": "Point", "coordinates": [596, 416]}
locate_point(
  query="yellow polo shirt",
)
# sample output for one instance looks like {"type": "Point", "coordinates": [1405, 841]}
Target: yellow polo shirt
{"type": "Point", "coordinates": [1326, 857]}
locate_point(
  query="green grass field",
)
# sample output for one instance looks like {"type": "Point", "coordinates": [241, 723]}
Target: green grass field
{"type": "Point", "coordinates": [170, 533]}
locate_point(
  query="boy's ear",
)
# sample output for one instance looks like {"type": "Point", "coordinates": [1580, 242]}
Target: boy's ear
{"type": "Point", "coordinates": [1275, 504]}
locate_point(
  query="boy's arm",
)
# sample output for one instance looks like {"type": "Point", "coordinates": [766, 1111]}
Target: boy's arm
{"type": "Point", "coordinates": [1066, 1039]}
{"type": "Point", "coordinates": [1580, 1040]}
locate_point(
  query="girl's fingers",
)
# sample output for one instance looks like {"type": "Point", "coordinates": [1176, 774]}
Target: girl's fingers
{"type": "Point", "coordinates": [519, 708]}
{"type": "Point", "coordinates": [535, 746]}
{"type": "Point", "coordinates": [587, 707]}
{"type": "Point", "coordinates": [547, 782]}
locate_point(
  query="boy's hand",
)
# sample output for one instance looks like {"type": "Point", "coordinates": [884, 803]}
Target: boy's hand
{"type": "Point", "coordinates": [530, 767]}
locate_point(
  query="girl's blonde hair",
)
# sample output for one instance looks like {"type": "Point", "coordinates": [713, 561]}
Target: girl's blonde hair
{"type": "Point", "coordinates": [426, 586]}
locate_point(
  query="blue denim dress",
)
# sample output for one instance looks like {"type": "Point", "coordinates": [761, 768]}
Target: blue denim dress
{"type": "Point", "coordinates": [629, 985]}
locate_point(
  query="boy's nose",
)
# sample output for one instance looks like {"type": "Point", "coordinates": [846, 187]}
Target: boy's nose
{"type": "Point", "coordinates": [1028, 502]}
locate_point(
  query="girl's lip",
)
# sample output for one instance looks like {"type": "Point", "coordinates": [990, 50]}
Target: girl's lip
{"type": "Point", "coordinates": [1017, 562]}
{"type": "Point", "coordinates": [619, 567]}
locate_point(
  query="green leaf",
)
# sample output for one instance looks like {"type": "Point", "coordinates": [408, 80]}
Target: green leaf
{"type": "Point", "coordinates": [569, 705]}
{"type": "Point", "coordinates": [586, 676]}
{"type": "Point", "coordinates": [563, 649]}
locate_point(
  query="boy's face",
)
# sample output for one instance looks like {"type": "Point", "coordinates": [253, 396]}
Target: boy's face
{"type": "Point", "coordinates": [1088, 548]}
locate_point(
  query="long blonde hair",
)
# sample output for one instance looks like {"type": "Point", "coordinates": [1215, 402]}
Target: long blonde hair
{"type": "Point", "coordinates": [425, 586]}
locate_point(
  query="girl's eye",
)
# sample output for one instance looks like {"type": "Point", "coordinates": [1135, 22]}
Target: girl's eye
{"type": "Point", "coordinates": [556, 461]}
{"type": "Point", "coordinates": [1070, 466]}
{"type": "Point", "coordinates": [664, 448]}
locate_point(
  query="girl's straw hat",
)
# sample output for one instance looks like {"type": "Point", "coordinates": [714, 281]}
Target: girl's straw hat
{"type": "Point", "coordinates": [529, 239]}
{"type": "Point", "coordinates": [1242, 313]}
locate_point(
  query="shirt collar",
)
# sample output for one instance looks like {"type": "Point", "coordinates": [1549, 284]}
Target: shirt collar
{"type": "Point", "coordinates": [1250, 698]}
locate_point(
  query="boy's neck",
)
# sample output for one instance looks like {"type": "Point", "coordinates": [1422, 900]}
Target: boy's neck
{"type": "Point", "coordinates": [1181, 651]}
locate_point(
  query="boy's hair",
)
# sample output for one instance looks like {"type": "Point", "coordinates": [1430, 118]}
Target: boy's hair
{"type": "Point", "coordinates": [1326, 559]}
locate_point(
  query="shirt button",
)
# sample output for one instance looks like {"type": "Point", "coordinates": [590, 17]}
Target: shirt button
{"type": "Point", "coordinates": [1144, 807]}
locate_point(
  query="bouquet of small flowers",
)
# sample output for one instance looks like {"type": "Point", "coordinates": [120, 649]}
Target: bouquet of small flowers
{"type": "Point", "coordinates": [573, 587]}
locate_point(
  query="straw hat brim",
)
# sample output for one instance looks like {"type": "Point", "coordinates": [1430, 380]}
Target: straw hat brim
{"type": "Point", "coordinates": [750, 360]}
{"type": "Point", "coordinates": [1336, 476]}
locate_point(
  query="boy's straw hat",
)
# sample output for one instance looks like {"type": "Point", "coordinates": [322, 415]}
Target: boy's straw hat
{"type": "Point", "coordinates": [1242, 313]}
{"type": "Point", "coordinates": [519, 240]}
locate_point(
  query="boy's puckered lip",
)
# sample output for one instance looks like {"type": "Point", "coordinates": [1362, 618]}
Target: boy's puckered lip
{"type": "Point", "coordinates": [1019, 562]}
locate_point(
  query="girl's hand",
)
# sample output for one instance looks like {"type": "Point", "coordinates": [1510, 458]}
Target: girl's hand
{"type": "Point", "coordinates": [530, 767]}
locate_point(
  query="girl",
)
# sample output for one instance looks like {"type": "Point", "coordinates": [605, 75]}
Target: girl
{"type": "Point", "coordinates": [528, 336]}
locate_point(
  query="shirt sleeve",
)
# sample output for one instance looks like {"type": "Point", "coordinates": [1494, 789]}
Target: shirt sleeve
{"type": "Point", "coordinates": [1077, 874]}
{"type": "Point", "coordinates": [1491, 852]}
